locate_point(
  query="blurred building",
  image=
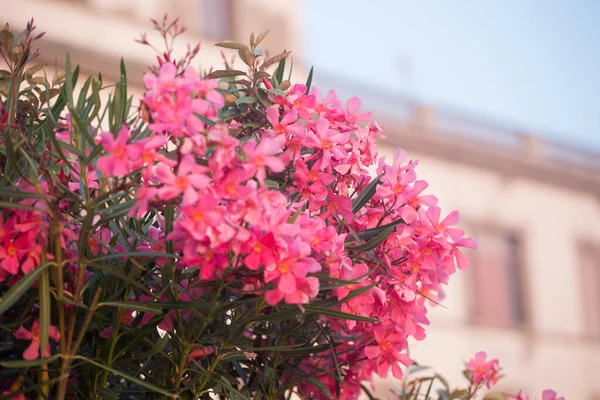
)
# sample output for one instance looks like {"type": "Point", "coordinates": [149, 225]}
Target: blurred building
{"type": "Point", "coordinates": [532, 296]}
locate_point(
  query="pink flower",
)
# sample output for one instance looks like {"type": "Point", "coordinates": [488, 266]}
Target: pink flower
{"type": "Point", "coordinates": [486, 371]}
{"type": "Point", "coordinates": [10, 253]}
{"type": "Point", "coordinates": [33, 351]}
{"type": "Point", "coordinates": [520, 396]}
{"type": "Point", "coordinates": [387, 351]}
{"type": "Point", "coordinates": [550, 395]}
{"type": "Point", "coordinates": [118, 162]}
{"type": "Point", "coordinates": [190, 177]}
{"type": "Point", "coordinates": [329, 141]}
{"type": "Point", "coordinates": [352, 107]}
{"type": "Point", "coordinates": [287, 125]}
{"type": "Point", "coordinates": [262, 155]}
{"type": "Point", "coordinates": [294, 262]}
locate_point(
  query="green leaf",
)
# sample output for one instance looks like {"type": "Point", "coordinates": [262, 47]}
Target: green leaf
{"type": "Point", "coordinates": [373, 243]}
{"type": "Point", "coordinates": [246, 56]}
{"type": "Point", "coordinates": [143, 307]}
{"type": "Point", "coordinates": [11, 192]}
{"type": "Point", "coordinates": [332, 301]}
{"type": "Point", "coordinates": [224, 73]}
{"type": "Point", "coordinates": [207, 121]}
{"type": "Point", "coordinates": [136, 380]}
{"type": "Point", "coordinates": [369, 233]}
{"type": "Point", "coordinates": [228, 44]}
{"type": "Point", "coordinates": [261, 37]}
{"type": "Point", "coordinates": [29, 363]}
{"type": "Point", "coordinates": [15, 292]}
{"type": "Point", "coordinates": [278, 74]}
{"type": "Point", "coordinates": [337, 314]}
{"type": "Point", "coordinates": [6, 39]}
{"type": "Point", "coordinates": [366, 195]}
{"type": "Point", "coordinates": [246, 100]}
{"type": "Point", "coordinates": [132, 254]}
{"type": "Point", "coordinates": [274, 60]}
{"type": "Point", "coordinates": [17, 206]}
{"type": "Point", "coordinates": [157, 348]}
{"type": "Point", "coordinates": [309, 80]}
{"type": "Point", "coordinates": [442, 380]}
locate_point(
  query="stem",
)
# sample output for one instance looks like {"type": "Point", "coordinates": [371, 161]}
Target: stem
{"type": "Point", "coordinates": [113, 345]}
{"type": "Point", "coordinates": [60, 299]}
{"type": "Point", "coordinates": [181, 365]}
{"type": "Point", "coordinates": [69, 357]}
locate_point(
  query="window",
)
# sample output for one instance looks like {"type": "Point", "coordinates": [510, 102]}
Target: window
{"type": "Point", "coordinates": [589, 260]}
{"type": "Point", "coordinates": [497, 279]}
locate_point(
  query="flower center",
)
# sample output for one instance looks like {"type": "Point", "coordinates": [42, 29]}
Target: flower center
{"type": "Point", "coordinates": [181, 182]}
{"type": "Point", "coordinates": [11, 251]}
{"type": "Point", "coordinates": [385, 346]}
{"type": "Point", "coordinates": [326, 144]}
{"type": "Point", "coordinates": [119, 152]}
{"type": "Point", "coordinates": [283, 268]}
{"type": "Point", "coordinates": [198, 216]}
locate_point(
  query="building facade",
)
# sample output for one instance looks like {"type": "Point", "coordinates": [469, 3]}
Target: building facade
{"type": "Point", "coordinates": [532, 295]}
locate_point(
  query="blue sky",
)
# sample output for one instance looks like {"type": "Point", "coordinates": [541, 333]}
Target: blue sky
{"type": "Point", "coordinates": [532, 64]}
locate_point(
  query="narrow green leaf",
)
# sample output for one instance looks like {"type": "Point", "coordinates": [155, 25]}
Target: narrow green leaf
{"type": "Point", "coordinates": [130, 378]}
{"type": "Point", "coordinates": [207, 121]}
{"type": "Point", "coordinates": [374, 242]}
{"type": "Point", "coordinates": [337, 314]}
{"type": "Point", "coordinates": [369, 233]}
{"type": "Point", "coordinates": [366, 195]}
{"type": "Point", "coordinates": [228, 44]}
{"type": "Point", "coordinates": [246, 100]}
{"type": "Point", "coordinates": [274, 60]}
{"type": "Point", "coordinates": [15, 292]}
{"type": "Point", "coordinates": [309, 80]}
{"type": "Point", "coordinates": [143, 307]}
{"type": "Point", "coordinates": [261, 37]}
{"type": "Point", "coordinates": [131, 254]}
{"type": "Point", "coordinates": [224, 73]}
{"type": "Point", "coordinates": [29, 363]}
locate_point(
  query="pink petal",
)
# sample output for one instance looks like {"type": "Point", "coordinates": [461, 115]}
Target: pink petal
{"type": "Point", "coordinates": [287, 283]}
{"type": "Point", "coordinates": [33, 351]}
{"type": "Point", "coordinates": [273, 296]}
{"type": "Point", "coordinates": [54, 333]}
{"type": "Point", "coordinates": [354, 104]}
{"type": "Point", "coordinates": [372, 351]}
{"type": "Point", "coordinates": [273, 114]}
{"type": "Point", "coordinates": [23, 334]}
{"type": "Point", "coordinates": [164, 174]}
